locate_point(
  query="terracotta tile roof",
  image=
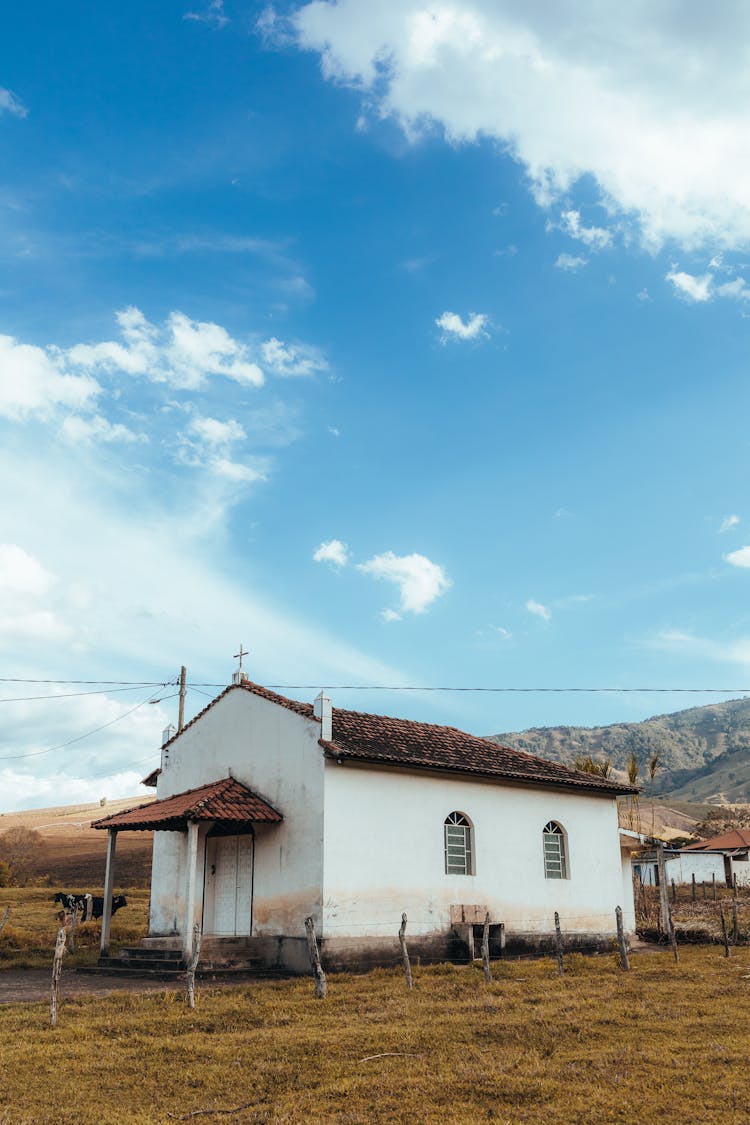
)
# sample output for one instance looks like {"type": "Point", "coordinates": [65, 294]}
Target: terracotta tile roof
{"type": "Point", "coordinates": [738, 838]}
{"type": "Point", "coordinates": [402, 742]}
{"type": "Point", "coordinates": [227, 800]}
{"type": "Point", "coordinates": [150, 778]}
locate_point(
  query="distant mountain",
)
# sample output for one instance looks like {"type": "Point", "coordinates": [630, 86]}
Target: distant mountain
{"type": "Point", "coordinates": [704, 752]}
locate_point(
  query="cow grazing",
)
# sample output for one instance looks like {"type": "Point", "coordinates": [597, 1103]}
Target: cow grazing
{"type": "Point", "coordinates": [91, 906]}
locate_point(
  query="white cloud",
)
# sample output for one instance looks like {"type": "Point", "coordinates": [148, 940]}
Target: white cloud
{"type": "Point", "coordinates": [89, 430]}
{"type": "Point", "coordinates": [333, 551]}
{"type": "Point", "coordinates": [691, 287]}
{"type": "Point", "coordinates": [213, 14]}
{"type": "Point", "coordinates": [9, 103]}
{"type": "Point", "coordinates": [651, 101]}
{"type": "Point", "coordinates": [184, 353]}
{"type": "Point", "coordinates": [419, 580]}
{"type": "Point", "coordinates": [570, 262]}
{"type": "Point", "coordinates": [234, 471]}
{"type": "Point", "coordinates": [728, 523]}
{"type": "Point", "coordinates": [389, 615]}
{"type": "Point", "coordinates": [21, 574]}
{"type": "Point", "coordinates": [737, 289]}
{"type": "Point", "coordinates": [292, 359]}
{"type": "Point", "coordinates": [539, 610]}
{"type": "Point", "coordinates": [453, 326]}
{"type": "Point", "coordinates": [34, 381]}
{"type": "Point", "coordinates": [739, 558]}
{"type": "Point", "coordinates": [213, 432]}
{"type": "Point", "coordinates": [596, 238]}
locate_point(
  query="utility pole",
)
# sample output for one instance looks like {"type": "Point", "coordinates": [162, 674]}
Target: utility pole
{"type": "Point", "coordinates": [181, 714]}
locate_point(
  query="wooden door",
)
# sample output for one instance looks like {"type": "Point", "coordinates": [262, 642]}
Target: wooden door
{"type": "Point", "coordinates": [229, 885]}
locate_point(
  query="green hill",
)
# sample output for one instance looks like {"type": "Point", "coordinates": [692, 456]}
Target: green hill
{"type": "Point", "coordinates": [704, 752]}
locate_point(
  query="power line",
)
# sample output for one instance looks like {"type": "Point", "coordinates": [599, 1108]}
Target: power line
{"type": "Point", "coordinates": [446, 688]}
{"type": "Point", "coordinates": [80, 737]}
{"type": "Point", "coordinates": [123, 683]}
{"type": "Point", "coordinates": [70, 694]}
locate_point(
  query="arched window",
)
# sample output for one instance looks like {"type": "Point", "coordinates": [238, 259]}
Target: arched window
{"type": "Point", "coordinates": [458, 845]}
{"type": "Point", "coordinates": [555, 860]}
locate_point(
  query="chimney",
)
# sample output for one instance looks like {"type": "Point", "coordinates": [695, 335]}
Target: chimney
{"type": "Point", "coordinates": [167, 733]}
{"type": "Point", "coordinates": [238, 678]}
{"type": "Point", "coordinates": [323, 711]}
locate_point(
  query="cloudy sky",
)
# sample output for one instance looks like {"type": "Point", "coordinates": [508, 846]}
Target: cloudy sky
{"type": "Point", "coordinates": [406, 344]}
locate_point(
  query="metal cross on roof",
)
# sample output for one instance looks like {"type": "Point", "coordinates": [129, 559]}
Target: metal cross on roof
{"type": "Point", "coordinates": [240, 654]}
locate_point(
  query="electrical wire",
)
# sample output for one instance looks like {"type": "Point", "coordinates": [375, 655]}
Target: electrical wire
{"type": "Point", "coordinates": [71, 694]}
{"type": "Point", "coordinates": [446, 688]}
{"type": "Point", "coordinates": [80, 737]}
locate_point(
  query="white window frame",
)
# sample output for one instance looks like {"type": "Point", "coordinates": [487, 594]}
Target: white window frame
{"type": "Point", "coordinates": [458, 844]}
{"type": "Point", "coordinates": [555, 851]}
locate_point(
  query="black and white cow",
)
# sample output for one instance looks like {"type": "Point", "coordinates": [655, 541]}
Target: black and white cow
{"type": "Point", "coordinates": [91, 906]}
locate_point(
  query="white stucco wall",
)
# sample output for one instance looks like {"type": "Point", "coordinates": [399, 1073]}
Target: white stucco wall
{"type": "Point", "coordinates": [275, 752]}
{"type": "Point", "coordinates": [681, 868]}
{"type": "Point", "coordinates": [383, 854]}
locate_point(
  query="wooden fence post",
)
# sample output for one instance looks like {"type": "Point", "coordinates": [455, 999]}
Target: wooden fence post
{"type": "Point", "coordinates": [56, 969]}
{"type": "Point", "coordinates": [193, 965]}
{"type": "Point", "coordinates": [72, 934]}
{"type": "Point", "coordinates": [312, 945]}
{"type": "Point", "coordinates": [734, 884]}
{"type": "Point", "coordinates": [663, 889]}
{"type": "Point", "coordinates": [624, 962]}
{"type": "Point", "coordinates": [486, 949]}
{"type": "Point", "coordinates": [404, 951]}
{"type": "Point", "coordinates": [724, 930]}
{"type": "Point", "coordinates": [703, 885]}
{"type": "Point", "coordinates": [559, 945]}
{"type": "Point", "coordinates": [674, 892]}
{"type": "Point", "coordinates": [693, 886]}
{"type": "Point", "coordinates": [673, 937]}
{"type": "Point", "coordinates": [735, 924]}
{"type": "Point", "coordinates": [4, 918]}
{"type": "Point", "coordinates": [502, 938]}
{"type": "Point", "coordinates": [713, 885]}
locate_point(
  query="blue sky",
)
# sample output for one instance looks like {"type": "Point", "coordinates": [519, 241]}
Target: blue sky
{"type": "Point", "coordinates": [405, 344]}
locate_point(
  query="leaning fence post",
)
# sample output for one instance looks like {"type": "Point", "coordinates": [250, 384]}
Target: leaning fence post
{"type": "Point", "coordinates": [486, 949]}
{"type": "Point", "coordinates": [193, 965]}
{"type": "Point", "coordinates": [621, 939]}
{"type": "Point", "coordinates": [725, 935]}
{"type": "Point", "coordinates": [56, 969]}
{"type": "Point", "coordinates": [559, 945]}
{"type": "Point", "coordinates": [672, 937]}
{"type": "Point", "coordinates": [404, 950]}
{"type": "Point", "coordinates": [312, 945]}
{"type": "Point", "coordinates": [72, 934]}
{"type": "Point", "coordinates": [4, 918]}
{"type": "Point", "coordinates": [735, 924]}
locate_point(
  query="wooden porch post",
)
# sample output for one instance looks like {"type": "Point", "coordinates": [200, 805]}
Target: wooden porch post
{"type": "Point", "coordinates": [191, 863]}
{"type": "Point", "coordinates": [109, 882]}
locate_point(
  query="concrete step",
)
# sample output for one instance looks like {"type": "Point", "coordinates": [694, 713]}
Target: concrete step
{"type": "Point", "coordinates": [128, 972]}
{"type": "Point", "coordinates": [139, 953]}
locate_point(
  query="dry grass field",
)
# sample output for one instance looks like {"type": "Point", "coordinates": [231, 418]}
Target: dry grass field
{"type": "Point", "coordinates": [665, 1042]}
{"type": "Point", "coordinates": [28, 939]}
{"type": "Point", "coordinates": [73, 851]}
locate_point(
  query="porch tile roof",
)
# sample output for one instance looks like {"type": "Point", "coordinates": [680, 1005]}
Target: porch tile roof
{"type": "Point", "coordinates": [227, 801]}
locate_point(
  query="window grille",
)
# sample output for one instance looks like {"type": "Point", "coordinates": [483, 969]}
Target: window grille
{"type": "Point", "coordinates": [555, 864]}
{"type": "Point", "coordinates": [458, 857]}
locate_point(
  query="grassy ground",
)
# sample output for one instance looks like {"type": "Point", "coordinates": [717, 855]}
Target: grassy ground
{"type": "Point", "coordinates": [28, 939]}
{"type": "Point", "coordinates": [666, 1042]}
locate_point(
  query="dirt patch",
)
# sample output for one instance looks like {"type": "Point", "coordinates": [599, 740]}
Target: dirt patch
{"type": "Point", "coordinates": [31, 986]}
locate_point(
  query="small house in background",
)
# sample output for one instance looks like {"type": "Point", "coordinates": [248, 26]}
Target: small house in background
{"type": "Point", "coordinates": [681, 866]}
{"type": "Point", "coordinates": [733, 849]}
{"type": "Point", "coordinates": [269, 810]}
